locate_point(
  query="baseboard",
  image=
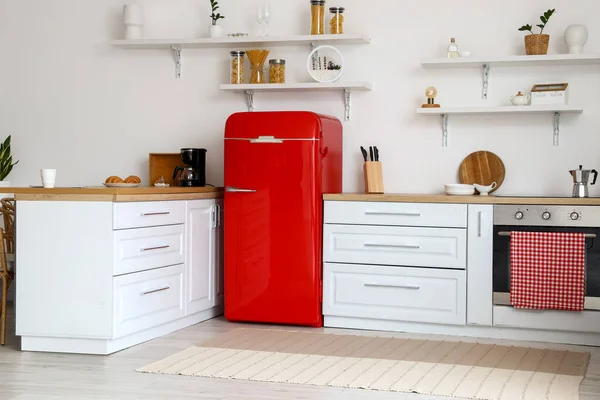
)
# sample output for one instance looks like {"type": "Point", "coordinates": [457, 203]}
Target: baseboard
{"type": "Point", "coordinates": [105, 346]}
{"type": "Point", "coordinates": [532, 335]}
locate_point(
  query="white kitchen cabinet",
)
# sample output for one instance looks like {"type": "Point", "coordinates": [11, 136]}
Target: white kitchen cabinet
{"type": "Point", "coordinates": [203, 255]}
{"type": "Point", "coordinates": [480, 251]}
{"type": "Point", "coordinates": [96, 277]}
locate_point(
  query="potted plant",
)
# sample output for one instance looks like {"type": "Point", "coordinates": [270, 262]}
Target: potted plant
{"type": "Point", "coordinates": [537, 44]}
{"type": "Point", "coordinates": [6, 164]}
{"type": "Point", "coordinates": [215, 30]}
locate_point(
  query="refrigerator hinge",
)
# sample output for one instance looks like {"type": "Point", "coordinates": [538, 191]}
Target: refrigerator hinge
{"type": "Point", "coordinates": [213, 217]}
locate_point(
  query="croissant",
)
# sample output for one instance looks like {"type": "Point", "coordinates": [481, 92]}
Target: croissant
{"type": "Point", "coordinates": [114, 179]}
{"type": "Point", "coordinates": [133, 179]}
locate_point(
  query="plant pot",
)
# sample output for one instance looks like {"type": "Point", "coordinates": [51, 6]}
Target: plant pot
{"type": "Point", "coordinates": [536, 45]}
{"type": "Point", "coordinates": [576, 36]}
{"type": "Point", "coordinates": [215, 31]}
{"type": "Point", "coordinates": [4, 183]}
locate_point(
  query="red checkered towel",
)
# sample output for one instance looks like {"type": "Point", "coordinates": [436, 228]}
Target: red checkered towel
{"type": "Point", "coordinates": [547, 270]}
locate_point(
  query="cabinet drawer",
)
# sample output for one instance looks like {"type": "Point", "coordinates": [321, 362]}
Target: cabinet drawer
{"type": "Point", "coordinates": [399, 294]}
{"type": "Point", "coordinates": [144, 214]}
{"type": "Point", "coordinates": [147, 299]}
{"type": "Point", "coordinates": [396, 214]}
{"type": "Point", "coordinates": [387, 245]}
{"type": "Point", "coordinates": [148, 248]}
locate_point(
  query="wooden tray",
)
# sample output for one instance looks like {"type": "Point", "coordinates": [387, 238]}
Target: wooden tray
{"type": "Point", "coordinates": [163, 164]}
{"type": "Point", "coordinates": [483, 168]}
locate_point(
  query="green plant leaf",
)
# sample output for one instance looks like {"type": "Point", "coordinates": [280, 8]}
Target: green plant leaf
{"type": "Point", "coordinates": [526, 28]}
{"type": "Point", "coordinates": [541, 26]}
{"type": "Point", "coordinates": [543, 19]}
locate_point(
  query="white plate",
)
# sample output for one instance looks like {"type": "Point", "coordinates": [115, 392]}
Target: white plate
{"type": "Point", "coordinates": [122, 185]}
{"type": "Point", "coordinates": [458, 186]}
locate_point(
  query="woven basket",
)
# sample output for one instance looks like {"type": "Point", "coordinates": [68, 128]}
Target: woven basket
{"type": "Point", "coordinates": [536, 45]}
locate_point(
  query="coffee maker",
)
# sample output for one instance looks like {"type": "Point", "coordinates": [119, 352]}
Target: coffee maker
{"type": "Point", "coordinates": [194, 173]}
{"type": "Point", "coordinates": [581, 177]}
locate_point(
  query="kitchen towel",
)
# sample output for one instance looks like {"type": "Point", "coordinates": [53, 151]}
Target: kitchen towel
{"type": "Point", "coordinates": [547, 270]}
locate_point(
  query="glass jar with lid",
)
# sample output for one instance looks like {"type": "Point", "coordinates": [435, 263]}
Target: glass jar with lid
{"type": "Point", "coordinates": [277, 71]}
{"type": "Point", "coordinates": [336, 24]}
{"type": "Point", "coordinates": [237, 67]}
{"type": "Point", "coordinates": [317, 12]}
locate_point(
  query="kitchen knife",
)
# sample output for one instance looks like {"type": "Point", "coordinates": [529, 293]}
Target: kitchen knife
{"type": "Point", "coordinates": [364, 153]}
{"type": "Point", "coordinates": [376, 153]}
{"type": "Point", "coordinates": [371, 153]}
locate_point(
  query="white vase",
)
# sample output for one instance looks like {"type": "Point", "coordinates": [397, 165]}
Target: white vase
{"type": "Point", "coordinates": [576, 37]}
{"type": "Point", "coordinates": [215, 31]}
{"type": "Point", "coordinates": [133, 19]}
{"type": "Point", "coordinates": [4, 183]}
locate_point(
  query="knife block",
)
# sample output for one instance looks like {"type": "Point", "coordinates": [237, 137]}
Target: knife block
{"type": "Point", "coordinates": [373, 177]}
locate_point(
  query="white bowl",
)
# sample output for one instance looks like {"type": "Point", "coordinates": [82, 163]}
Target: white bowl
{"type": "Point", "coordinates": [464, 53]}
{"type": "Point", "coordinates": [458, 186]}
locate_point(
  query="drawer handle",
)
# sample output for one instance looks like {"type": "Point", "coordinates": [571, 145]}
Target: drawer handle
{"type": "Point", "coordinates": [399, 246]}
{"type": "Point", "coordinates": [155, 291]}
{"type": "Point", "coordinates": [411, 287]}
{"type": "Point", "coordinates": [402, 214]}
{"type": "Point", "coordinates": [155, 248]}
{"type": "Point", "coordinates": [152, 214]}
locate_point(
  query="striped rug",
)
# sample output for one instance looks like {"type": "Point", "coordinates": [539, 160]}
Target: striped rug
{"type": "Point", "coordinates": [454, 369]}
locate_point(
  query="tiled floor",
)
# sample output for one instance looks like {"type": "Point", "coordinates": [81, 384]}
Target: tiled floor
{"type": "Point", "coordinates": [38, 376]}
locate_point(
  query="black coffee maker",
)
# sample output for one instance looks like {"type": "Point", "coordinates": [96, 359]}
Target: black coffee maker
{"type": "Point", "coordinates": [194, 173]}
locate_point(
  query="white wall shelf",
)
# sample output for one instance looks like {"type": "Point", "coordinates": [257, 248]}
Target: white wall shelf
{"type": "Point", "coordinates": [225, 42]}
{"type": "Point", "coordinates": [445, 112]}
{"type": "Point", "coordinates": [486, 63]}
{"type": "Point", "coordinates": [177, 45]}
{"type": "Point", "coordinates": [345, 87]}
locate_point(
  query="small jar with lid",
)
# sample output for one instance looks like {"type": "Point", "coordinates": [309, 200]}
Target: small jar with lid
{"type": "Point", "coordinates": [277, 71]}
{"type": "Point", "coordinates": [317, 13]}
{"type": "Point", "coordinates": [336, 24]}
{"type": "Point", "coordinates": [237, 67]}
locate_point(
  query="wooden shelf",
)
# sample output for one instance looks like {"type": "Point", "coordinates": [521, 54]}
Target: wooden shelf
{"type": "Point", "coordinates": [344, 87]}
{"type": "Point", "coordinates": [500, 110]}
{"type": "Point", "coordinates": [225, 42]}
{"type": "Point", "coordinates": [445, 112]}
{"type": "Point", "coordinates": [511, 61]}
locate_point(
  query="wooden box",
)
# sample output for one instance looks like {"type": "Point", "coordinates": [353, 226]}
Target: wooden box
{"type": "Point", "coordinates": [163, 164]}
{"type": "Point", "coordinates": [373, 177]}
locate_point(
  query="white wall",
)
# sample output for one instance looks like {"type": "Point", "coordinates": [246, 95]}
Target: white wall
{"type": "Point", "coordinates": [73, 102]}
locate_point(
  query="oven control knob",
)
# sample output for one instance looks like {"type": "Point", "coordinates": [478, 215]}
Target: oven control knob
{"type": "Point", "coordinates": [574, 216]}
{"type": "Point", "coordinates": [519, 215]}
{"type": "Point", "coordinates": [546, 215]}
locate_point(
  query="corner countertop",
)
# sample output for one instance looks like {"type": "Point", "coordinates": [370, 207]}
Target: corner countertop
{"type": "Point", "coordinates": [442, 198]}
{"type": "Point", "coordinates": [113, 194]}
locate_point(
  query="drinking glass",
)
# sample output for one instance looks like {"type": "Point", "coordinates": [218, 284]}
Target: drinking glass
{"type": "Point", "coordinates": [265, 15]}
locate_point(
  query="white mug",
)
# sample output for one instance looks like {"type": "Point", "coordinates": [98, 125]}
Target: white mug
{"type": "Point", "coordinates": [485, 190]}
{"type": "Point", "coordinates": [133, 19]}
{"type": "Point", "coordinates": [48, 178]}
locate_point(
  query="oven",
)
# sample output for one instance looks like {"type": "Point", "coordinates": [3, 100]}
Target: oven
{"type": "Point", "coordinates": [535, 218]}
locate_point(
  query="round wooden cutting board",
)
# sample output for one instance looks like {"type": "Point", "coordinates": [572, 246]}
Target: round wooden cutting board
{"type": "Point", "coordinates": [483, 168]}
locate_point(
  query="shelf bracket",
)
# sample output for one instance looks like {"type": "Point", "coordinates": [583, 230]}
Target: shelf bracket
{"type": "Point", "coordinates": [486, 81]}
{"type": "Point", "coordinates": [347, 104]}
{"type": "Point", "coordinates": [250, 99]}
{"type": "Point", "coordinates": [177, 56]}
{"type": "Point", "coordinates": [556, 127]}
{"type": "Point", "coordinates": [445, 130]}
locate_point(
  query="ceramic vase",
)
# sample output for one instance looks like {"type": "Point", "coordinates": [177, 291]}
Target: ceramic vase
{"type": "Point", "coordinates": [215, 31]}
{"type": "Point", "coordinates": [576, 37]}
{"type": "Point", "coordinates": [133, 19]}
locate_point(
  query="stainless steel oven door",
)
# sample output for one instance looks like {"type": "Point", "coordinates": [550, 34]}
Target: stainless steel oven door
{"type": "Point", "coordinates": [501, 262]}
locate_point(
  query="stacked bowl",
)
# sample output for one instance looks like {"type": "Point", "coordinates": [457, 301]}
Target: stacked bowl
{"type": "Point", "coordinates": [459, 190]}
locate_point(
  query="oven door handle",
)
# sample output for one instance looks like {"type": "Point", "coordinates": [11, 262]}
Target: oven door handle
{"type": "Point", "coordinates": [587, 235]}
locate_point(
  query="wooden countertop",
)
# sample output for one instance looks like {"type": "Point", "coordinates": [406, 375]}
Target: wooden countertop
{"type": "Point", "coordinates": [442, 198]}
{"type": "Point", "coordinates": [102, 193]}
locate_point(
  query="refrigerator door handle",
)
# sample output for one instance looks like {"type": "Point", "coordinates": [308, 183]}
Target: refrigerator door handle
{"type": "Point", "coordinates": [266, 139]}
{"type": "Point", "coordinates": [232, 189]}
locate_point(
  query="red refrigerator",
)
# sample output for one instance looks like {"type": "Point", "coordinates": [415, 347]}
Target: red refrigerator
{"type": "Point", "coordinates": [277, 167]}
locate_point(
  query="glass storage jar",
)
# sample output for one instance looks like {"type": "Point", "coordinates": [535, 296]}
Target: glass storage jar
{"type": "Point", "coordinates": [336, 24]}
{"type": "Point", "coordinates": [237, 67]}
{"type": "Point", "coordinates": [276, 71]}
{"type": "Point", "coordinates": [317, 12]}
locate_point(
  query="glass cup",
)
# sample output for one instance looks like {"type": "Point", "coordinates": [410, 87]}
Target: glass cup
{"type": "Point", "coordinates": [48, 178]}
